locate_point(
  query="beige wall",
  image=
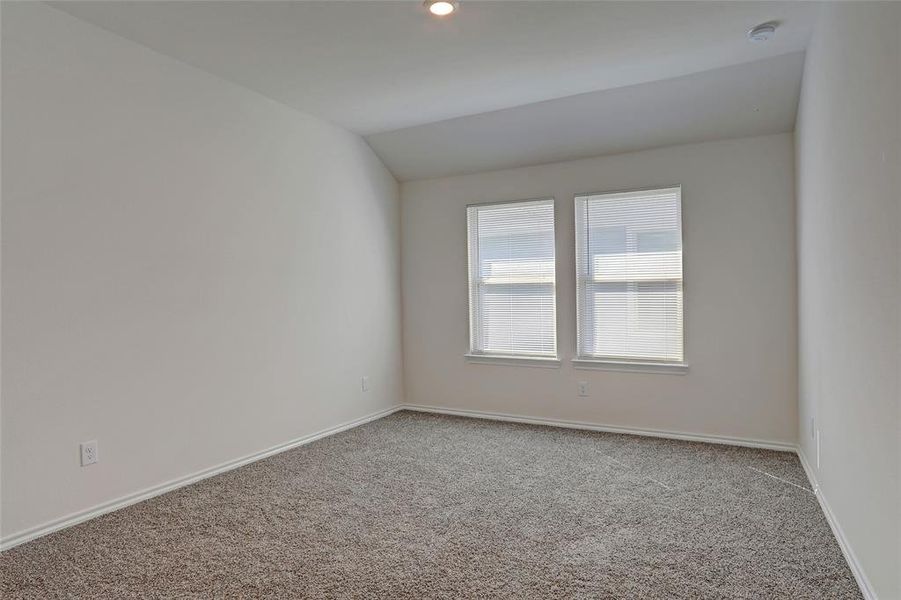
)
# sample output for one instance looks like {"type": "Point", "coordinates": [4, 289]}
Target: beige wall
{"type": "Point", "coordinates": [740, 300]}
{"type": "Point", "coordinates": [183, 262]}
{"type": "Point", "coordinates": [849, 157]}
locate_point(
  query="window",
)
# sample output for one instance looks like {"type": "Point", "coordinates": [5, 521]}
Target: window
{"type": "Point", "coordinates": [629, 276]}
{"type": "Point", "coordinates": [512, 308]}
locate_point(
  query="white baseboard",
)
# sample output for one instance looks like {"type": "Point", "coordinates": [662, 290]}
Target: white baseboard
{"type": "Point", "coordinates": [113, 505]}
{"type": "Point", "coordinates": [862, 581]}
{"type": "Point", "coordinates": [865, 587]}
{"type": "Point", "coordinates": [660, 433]}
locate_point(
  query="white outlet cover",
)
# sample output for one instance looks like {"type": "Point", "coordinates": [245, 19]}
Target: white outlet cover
{"type": "Point", "coordinates": [90, 453]}
{"type": "Point", "coordinates": [583, 388]}
{"type": "Point", "coordinates": [364, 383]}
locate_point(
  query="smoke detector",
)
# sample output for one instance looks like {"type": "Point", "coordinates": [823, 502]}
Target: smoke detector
{"type": "Point", "coordinates": [762, 32]}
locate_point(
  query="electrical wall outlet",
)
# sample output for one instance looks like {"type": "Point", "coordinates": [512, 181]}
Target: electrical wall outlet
{"type": "Point", "coordinates": [813, 428]}
{"type": "Point", "coordinates": [364, 383]}
{"type": "Point", "coordinates": [89, 453]}
{"type": "Point", "coordinates": [583, 389]}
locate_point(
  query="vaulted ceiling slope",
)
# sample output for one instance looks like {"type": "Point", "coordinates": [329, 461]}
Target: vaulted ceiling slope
{"type": "Point", "coordinates": [755, 98]}
{"type": "Point", "coordinates": [381, 66]}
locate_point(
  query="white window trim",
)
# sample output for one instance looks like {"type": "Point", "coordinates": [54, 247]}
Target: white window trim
{"type": "Point", "coordinates": [600, 364]}
{"type": "Point", "coordinates": [512, 360]}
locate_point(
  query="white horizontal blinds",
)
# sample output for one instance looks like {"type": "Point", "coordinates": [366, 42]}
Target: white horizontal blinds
{"type": "Point", "coordinates": [512, 307]}
{"type": "Point", "coordinates": [629, 275]}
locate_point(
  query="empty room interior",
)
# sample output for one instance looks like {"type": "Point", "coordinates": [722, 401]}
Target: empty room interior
{"type": "Point", "coordinates": [476, 299]}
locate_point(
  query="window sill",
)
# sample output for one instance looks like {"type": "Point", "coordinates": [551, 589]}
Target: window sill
{"type": "Point", "coordinates": [514, 361]}
{"type": "Point", "coordinates": [629, 366]}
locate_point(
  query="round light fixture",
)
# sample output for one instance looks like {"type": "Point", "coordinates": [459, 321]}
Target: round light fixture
{"type": "Point", "coordinates": [441, 8]}
{"type": "Point", "coordinates": [762, 32]}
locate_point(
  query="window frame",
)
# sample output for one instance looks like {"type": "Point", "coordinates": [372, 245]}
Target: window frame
{"type": "Point", "coordinates": [613, 363]}
{"type": "Point", "coordinates": [508, 359]}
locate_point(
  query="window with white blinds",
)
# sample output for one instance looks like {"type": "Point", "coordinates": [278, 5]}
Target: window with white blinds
{"type": "Point", "coordinates": [629, 275]}
{"type": "Point", "coordinates": [512, 306]}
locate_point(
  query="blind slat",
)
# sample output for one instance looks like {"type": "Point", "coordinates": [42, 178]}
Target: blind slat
{"type": "Point", "coordinates": [629, 275]}
{"type": "Point", "coordinates": [512, 297]}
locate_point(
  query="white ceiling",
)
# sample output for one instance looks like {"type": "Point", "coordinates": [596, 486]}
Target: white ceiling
{"type": "Point", "coordinates": [751, 99]}
{"type": "Point", "coordinates": [379, 66]}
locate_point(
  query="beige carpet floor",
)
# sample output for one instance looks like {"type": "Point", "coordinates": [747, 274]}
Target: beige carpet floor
{"type": "Point", "coordinates": [424, 506]}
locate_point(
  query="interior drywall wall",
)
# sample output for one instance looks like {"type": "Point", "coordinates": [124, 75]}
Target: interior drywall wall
{"type": "Point", "coordinates": [740, 294]}
{"type": "Point", "coordinates": [192, 273]}
{"type": "Point", "coordinates": [848, 160]}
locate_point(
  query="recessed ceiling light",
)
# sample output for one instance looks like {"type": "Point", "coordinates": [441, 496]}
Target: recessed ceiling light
{"type": "Point", "coordinates": [762, 32]}
{"type": "Point", "coordinates": [441, 8]}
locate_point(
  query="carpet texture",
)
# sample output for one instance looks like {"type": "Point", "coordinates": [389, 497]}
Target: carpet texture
{"type": "Point", "coordinates": [424, 506]}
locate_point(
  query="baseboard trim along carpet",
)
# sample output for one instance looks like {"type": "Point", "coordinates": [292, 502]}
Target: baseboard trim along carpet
{"type": "Point", "coordinates": [427, 505]}
{"type": "Point", "coordinates": [673, 435]}
{"type": "Point", "coordinates": [113, 505]}
{"type": "Point", "coordinates": [122, 502]}
{"type": "Point", "coordinates": [856, 569]}
{"type": "Point", "coordinates": [80, 517]}
{"type": "Point", "coordinates": [862, 581]}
